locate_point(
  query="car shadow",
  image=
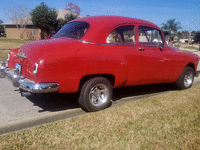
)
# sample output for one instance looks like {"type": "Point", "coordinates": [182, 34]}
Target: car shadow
{"type": "Point", "coordinates": [63, 101]}
{"type": "Point", "coordinates": [140, 90]}
{"type": "Point", "coordinates": [54, 101]}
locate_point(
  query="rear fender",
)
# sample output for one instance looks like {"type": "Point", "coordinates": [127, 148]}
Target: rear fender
{"type": "Point", "coordinates": [12, 57]}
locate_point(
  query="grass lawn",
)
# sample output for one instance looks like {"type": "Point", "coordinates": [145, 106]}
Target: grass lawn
{"type": "Point", "coordinates": [167, 121]}
{"type": "Point", "coordinates": [185, 45]}
{"type": "Point", "coordinates": [7, 44]}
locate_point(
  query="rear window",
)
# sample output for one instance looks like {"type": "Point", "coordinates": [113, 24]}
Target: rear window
{"type": "Point", "coordinates": [75, 30]}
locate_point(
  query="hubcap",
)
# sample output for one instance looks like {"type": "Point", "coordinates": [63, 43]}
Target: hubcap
{"type": "Point", "coordinates": [188, 79]}
{"type": "Point", "coordinates": [99, 94]}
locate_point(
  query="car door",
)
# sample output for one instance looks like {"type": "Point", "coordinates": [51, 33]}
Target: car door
{"type": "Point", "coordinates": [156, 64]}
{"type": "Point", "coordinates": [122, 40]}
{"type": "Point", "coordinates": [145, 61]}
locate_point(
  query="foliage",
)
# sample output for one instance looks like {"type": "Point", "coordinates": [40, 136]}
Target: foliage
{"type": "Point", "coordinates": [171, 27]}
{"type": "Point", "coordinates": [74, 13]}
{"type": "Point", "coordinates": [197, 37]}
{"type": "Point", "coordinates": [69, 17]}
{"type": "Point", "coordinates": [44, 18]}
{"type": "Point", "coordinates": [2, 32]}
{"type": "Point", "coordinates": [73, 8]}
{"type": "Point", "coordinates": [61, 22]}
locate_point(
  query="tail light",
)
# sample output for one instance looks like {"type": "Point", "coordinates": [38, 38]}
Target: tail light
{"type": "Point", "coordinates": [35, 68]}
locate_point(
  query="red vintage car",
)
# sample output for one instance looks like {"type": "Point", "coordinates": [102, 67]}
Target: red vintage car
{"type": "Point", "coordinates": [93, 55]}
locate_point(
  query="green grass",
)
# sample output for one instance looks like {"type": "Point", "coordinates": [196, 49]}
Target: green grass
{"type": "Point", "coordinates": [167, 121]}
{"type": "Point", "coordinates": [3, 54]}
{"type": "Point", "coordinates": [8, 44]}
{"type": "Point", "coordinates": [14, 40]}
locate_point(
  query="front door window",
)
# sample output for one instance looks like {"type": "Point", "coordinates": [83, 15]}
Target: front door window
{"type": "Point", "coordinates": [148, 35]}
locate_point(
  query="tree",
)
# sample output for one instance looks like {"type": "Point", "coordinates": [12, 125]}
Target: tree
{"type": "Point", "coordinates": [197, 37]}
{"type": "Point", "coordinates": [171, 26]}
{"type": "Point", "coordinates": [73, 8]}
{"type": "Point", "coordinates": [20, 16]}
{"type": "Point", "coordinates": [61, 22]}
{"type": "Point", "coordinates": [69, 17]}
{"type": "Point", "coordinates": [74, 12]}
{"type": "Point", "coordinates": [2, 32]}
{"type": "Point", "coordinates": [44, 18]}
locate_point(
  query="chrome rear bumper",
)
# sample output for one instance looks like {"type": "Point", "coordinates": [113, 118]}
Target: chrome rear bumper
{"type": "Point", "coordinates": [26, 84]}
{"type": "Point", "coordinates": [33, 87]}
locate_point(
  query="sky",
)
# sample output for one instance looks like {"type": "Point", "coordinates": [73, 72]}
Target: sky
{"type": "Point", "coordinates": [157, 11]}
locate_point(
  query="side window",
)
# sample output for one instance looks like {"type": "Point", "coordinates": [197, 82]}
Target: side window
{"type": "Point", "coordinates": [114, 37]}
{"type": "Point", "coordinates": [148, 35]}
{"type": "Point", "coordinates": [123, 34]}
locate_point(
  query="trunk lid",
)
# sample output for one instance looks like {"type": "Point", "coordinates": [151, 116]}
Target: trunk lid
{"type": "Point", "coordinates": [31, 52]}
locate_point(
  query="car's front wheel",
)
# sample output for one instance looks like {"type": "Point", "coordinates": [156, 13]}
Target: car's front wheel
{"type": "Point", "coordinates": [186, 78]}
{"type": "Point", "coordinates": [96, 94]}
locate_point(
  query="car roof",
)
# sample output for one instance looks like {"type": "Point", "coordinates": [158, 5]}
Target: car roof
{"type": "Point", "coordinates": [101, 26]}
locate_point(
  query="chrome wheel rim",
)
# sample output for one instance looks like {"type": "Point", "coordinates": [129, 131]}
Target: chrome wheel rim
{"type": "Point", "coordinates": [99, 94]}
{"type": "Point", "coordinates": [188, 79]}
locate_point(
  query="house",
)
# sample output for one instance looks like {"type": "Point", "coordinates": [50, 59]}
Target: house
{"type": "Point", "coordinates": [185, 37]}
{"type": "Point", "coordinates": [30, 32]}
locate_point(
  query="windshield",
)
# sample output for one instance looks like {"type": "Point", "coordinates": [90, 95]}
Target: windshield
{"type": "Point", "coordinates": [75, 30]}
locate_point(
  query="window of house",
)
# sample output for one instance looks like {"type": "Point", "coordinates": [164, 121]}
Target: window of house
{"type": "Point", "coordinates": [33, 32]}
{"type": "Point", "coordinates": [148, 35]}
{"type": "Point", "coordinates": [123, 34]}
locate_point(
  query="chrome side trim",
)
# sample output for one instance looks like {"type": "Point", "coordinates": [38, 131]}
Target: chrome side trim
{"type": "Point", "coordinates": [120, 44]}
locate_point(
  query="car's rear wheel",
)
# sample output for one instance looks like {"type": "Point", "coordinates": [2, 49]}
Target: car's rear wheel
{"type": "Point", "coordinates": [96, 94]}
{"type": "Point", "coordinates": [186, 78]}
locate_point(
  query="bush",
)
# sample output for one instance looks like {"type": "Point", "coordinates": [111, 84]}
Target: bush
{"type": "Point", "coordinates": [197, 37]}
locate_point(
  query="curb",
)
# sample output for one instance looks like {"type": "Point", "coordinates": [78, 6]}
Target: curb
{"type": "Point", "coordinates": [37, 121]}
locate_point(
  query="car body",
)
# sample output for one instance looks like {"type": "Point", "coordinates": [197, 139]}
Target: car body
{"type": "Point", "coordinates": [93, 55]}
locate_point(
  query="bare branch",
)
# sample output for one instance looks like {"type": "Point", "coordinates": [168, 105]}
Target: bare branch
{"type": "Point", "coordinates": [20, 15]}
